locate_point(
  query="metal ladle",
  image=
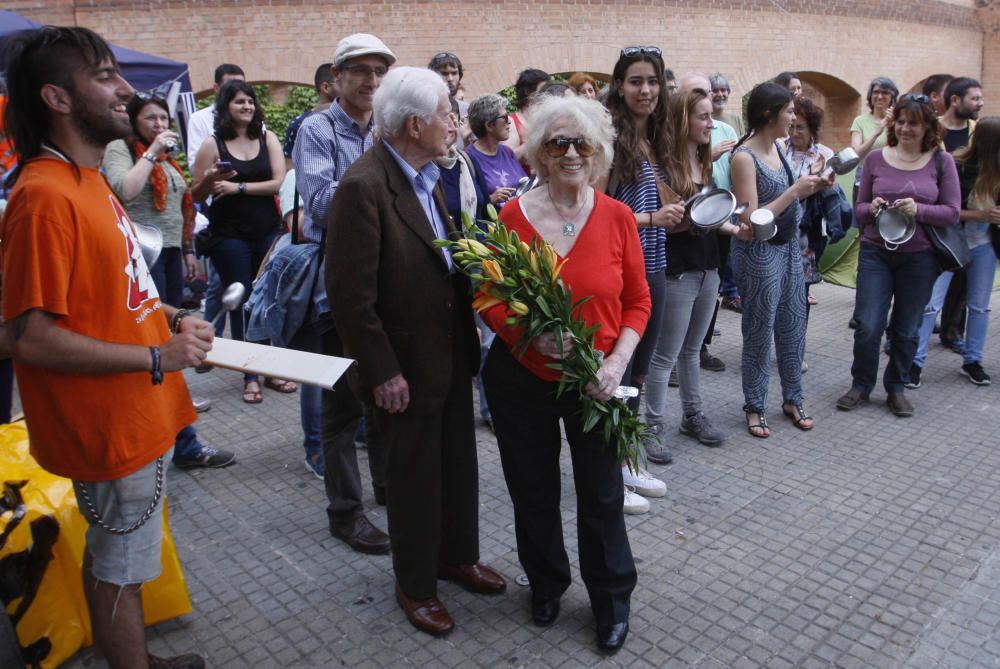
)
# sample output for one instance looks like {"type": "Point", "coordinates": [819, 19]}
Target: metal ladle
{"type": "Point", "coordinates": [232, 298]}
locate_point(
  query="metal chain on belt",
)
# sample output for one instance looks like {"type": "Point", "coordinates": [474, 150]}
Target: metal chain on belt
{"type": "Point", "coordinates": [157, 493]}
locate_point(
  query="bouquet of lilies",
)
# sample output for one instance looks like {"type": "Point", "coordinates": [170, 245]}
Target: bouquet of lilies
{"type": "Point", "coordinates": [524, 277]}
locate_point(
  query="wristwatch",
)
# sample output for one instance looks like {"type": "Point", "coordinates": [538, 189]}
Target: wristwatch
{"type": "Point", "coordinates": [150, 156]}
{"type": "Point", "coordinates": [243, 188]}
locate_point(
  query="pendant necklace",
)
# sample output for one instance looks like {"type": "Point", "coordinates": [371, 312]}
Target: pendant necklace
{"type": "Point", "coordinates": [569, 225]}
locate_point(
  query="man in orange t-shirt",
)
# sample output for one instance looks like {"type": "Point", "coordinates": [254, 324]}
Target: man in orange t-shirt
{"type": "Point", "coordinates": [95, 360]}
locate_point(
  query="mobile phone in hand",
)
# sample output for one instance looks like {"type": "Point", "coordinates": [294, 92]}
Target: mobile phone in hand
{"type": "Point", "coordinates": [223, 166]}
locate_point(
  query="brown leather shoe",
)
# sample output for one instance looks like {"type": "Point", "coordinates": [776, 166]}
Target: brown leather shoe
{"type": "Point", "coordinates": [361, 535]}
{"type": "Point", "coordinates": [473, 577]}
{"type": "Point", "coordinates": [427, 615]}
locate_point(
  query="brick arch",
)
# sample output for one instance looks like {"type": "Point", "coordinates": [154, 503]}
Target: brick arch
{"type": "Point", "coordinates": [503, 71]}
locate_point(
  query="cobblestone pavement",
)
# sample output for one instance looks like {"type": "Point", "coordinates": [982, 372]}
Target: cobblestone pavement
{"type": "Point", "coordinates": [871, 541]}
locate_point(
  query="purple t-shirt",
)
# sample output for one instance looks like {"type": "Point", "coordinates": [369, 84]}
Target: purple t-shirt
{"type": "Point", "coordinates": [935, 206]}
{"type": "Point", "coordinates": [499, 171]}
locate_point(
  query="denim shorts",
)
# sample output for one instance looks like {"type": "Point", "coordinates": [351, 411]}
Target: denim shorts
{"type": "Point", "coordinates": [129, 558]}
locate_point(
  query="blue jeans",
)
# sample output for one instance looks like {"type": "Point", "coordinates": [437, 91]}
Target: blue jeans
{"type": "Point", "coordinates": [311, 409]}
{"type": "Point", "coordinates": [905, 280]}
{"type": "Point", "coordinates": [168, 276]}
{"type": "Point", "coordinates": [186, 446]}
{"type": "Point", "coordinates": [979, 274]}
{"type": "Point", "coordinates": [931, 311]}
{"type": "Point", "coordinates": [238, 259]}
{"type": "Point", "coordinates": [213, 297]}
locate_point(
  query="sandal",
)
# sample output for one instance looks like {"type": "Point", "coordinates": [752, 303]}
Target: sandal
{"type": "Point", "coordinates": [281, 385]}
{"type": "Point", "coordinates": [760, 428]}
{"type": "Point", "coordinates": [798, 415]}
{"type": "Point", "coordinates": [252, 396]}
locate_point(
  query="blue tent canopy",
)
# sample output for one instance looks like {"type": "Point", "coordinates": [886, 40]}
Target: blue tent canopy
{"type": "Point", "coordinates": [145, 72]}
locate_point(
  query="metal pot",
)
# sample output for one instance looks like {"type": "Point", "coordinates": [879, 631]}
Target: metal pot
{"type": "Point", "coordinates": [524, 184]}
{"type": "Point", "coordinates": [762, 222]}
{"type": "Point", "coordinates": [709, 209]}
{"type": "Point", "coordinates": [843, 161]}
{"type": "Point", "coordinates": [894, 227]}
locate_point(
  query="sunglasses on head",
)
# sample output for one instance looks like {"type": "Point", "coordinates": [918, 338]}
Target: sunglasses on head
{"type": "Point", "coordinates": [147, 96]}
{"type": "Point", "coordinates": [558, 146]}
{"type": "Point", "coordinates": [444, 54]}
{"type": "Point", "coordinates": [918, 98]}
{"type": "Point", "coordinates": [631, 51]}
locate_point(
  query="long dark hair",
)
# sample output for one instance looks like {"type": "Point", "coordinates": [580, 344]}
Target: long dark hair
{"type": "Point", "coordinates": [764, 104]}
{"type": "Point", "coordinates": [48, 55]}
{"type": "Point", "coordinates": [527, 83]}
{"type": "Point", "coordinates": [629, 155]}
{"type": "Point", "coordinates": [983, 151]}
{"type": "Point", "coordinates": [680, 110]}
{"type": "Point", "coordinates": [225, 127]}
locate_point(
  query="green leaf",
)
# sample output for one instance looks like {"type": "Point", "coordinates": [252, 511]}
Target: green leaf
{"type": "Point", "coordinates": [590, 420]}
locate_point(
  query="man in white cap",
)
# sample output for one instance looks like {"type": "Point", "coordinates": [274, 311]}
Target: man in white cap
{"type": "Point", "coordinates": [328, 143]}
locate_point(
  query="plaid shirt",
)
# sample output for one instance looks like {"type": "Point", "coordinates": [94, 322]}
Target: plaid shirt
{"type": "Point", "coordinates": [326, 145]}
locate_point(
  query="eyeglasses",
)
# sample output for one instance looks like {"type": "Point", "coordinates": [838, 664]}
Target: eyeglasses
{"type": "Point", "coordinates": [631, 51]}
{"type": "Point", "coordinates": [503, 117]}
{"type": "Point", "coordinates": [558, 146]}
{"type": "Point", "coordinates": [365, 71]}
{"type": "Point", "coordinates": [918, 98]}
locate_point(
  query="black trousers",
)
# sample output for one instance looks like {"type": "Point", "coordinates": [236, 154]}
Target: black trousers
{"type": "Point", "coordinates": [432, 487]}
{"type": "Point", "coordinates": [526, 417]}
{"type": "Point", "coordinates": [342, 412]}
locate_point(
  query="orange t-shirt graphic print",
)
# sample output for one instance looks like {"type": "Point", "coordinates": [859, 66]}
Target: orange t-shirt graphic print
{"type": "Point", "coordinates": [70, 250]}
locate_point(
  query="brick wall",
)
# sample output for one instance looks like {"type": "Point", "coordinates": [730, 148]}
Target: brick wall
{"type": "Point", "coordinates": [838, 45]}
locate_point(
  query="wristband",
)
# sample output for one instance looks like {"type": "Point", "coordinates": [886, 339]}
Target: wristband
{"type": "Point", "coordinates": [150, 157]}
{"type": "Point", "coordinates": [175, 321]}
{"type": "Point", "coordinates": [157, 371]}
{"type": "Point", "coordinates": [243, 188]}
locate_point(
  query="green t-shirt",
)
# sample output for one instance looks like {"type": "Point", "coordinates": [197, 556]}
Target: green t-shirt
{"type": "Point", "coordinates": [868, 125]}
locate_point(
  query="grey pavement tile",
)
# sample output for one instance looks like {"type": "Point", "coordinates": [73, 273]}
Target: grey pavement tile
{"type": "Point", "coordinates": [867, 542]}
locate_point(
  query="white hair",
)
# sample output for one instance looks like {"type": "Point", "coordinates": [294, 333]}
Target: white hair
{"type": "Point", "coordinates": [406, 92]}
{"type": "Point", "coordinates": [590, 119]}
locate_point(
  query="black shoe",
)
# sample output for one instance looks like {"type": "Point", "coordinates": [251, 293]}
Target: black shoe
{"type": "Point", "coordinates": [975, 372]}
{"type": "Point", "coordinates": [852, 399]}
{"type": "Point", "coordinates": [611, 638]}
{"type": "Point", "coordinates": [899, 405]}
{"type": "Point", "coordinates": [207, 457]}
{"type": "Point", "coordinates": [914, 381]}
{"type": "Point", "coordinates": [361, 535]}
{"type": "Point", "coordinates": [544, 611]}
{"type": "Point", "coordinates": [710, 362]}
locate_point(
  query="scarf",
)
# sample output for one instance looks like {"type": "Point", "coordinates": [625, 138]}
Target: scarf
{"type": "Point", "coordinates": [467, 188]}
{"type": "Point", "coordinates": [158, 183]}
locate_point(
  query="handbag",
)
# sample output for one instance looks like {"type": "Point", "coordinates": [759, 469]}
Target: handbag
{"type": "Point", "coordinates": [949, 245]}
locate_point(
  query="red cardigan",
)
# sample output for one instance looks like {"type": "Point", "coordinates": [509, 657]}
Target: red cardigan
{"type": "Point", "coordinates": [605, 262]}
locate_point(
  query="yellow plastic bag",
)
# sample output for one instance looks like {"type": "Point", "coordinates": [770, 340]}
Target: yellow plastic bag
{"type": "Point", "coordinates": [41, 552]}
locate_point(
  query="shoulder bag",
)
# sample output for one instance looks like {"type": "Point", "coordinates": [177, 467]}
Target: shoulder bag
{"type": "Point", "coordinates": [949, 245]}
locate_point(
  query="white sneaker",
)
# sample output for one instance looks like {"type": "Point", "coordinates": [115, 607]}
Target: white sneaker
{"type": "Point", "coordinates": [634, 504]}
{"type": "Point", "coordinates": [642, 483]}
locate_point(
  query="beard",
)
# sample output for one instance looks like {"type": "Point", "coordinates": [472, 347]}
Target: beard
{"type": "Point", "coordinates": [97, 124]}
{"type": "Point", "coordinates": [966, 113]}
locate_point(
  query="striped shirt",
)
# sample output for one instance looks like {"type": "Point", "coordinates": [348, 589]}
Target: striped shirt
{"type": "Point", "coordinates": [643, 197]}
{"type": "Point", "coordinates": [327, 143]}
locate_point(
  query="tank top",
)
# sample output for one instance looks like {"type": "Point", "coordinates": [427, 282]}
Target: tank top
{"type": "Point", "coordinates": [242, 215]}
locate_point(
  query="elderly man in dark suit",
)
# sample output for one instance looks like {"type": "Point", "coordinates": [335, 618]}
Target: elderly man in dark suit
{"type": "Point", "coordinates": [404, 314]}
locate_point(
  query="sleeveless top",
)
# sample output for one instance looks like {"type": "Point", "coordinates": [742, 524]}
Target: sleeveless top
{"type": "Point", "coordinates": [688, 252]}
{"type": "Point", "coordinates": [242, 215]}
{"type": "Point", "coordinates": [643, 197]}
{"type": "Point", "coordinates": [771, 184]}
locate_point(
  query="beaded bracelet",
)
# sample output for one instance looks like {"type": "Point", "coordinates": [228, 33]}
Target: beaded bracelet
{"type": "Point", "coordinates": [175, 321]}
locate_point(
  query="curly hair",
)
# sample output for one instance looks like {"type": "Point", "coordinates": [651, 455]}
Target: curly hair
{"type": "Point", "coordinates": [812, 115]}
{"type": "Point", "coordinates": [915, 110]}
{"type": "Point", "coordinates": [587, 117]}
